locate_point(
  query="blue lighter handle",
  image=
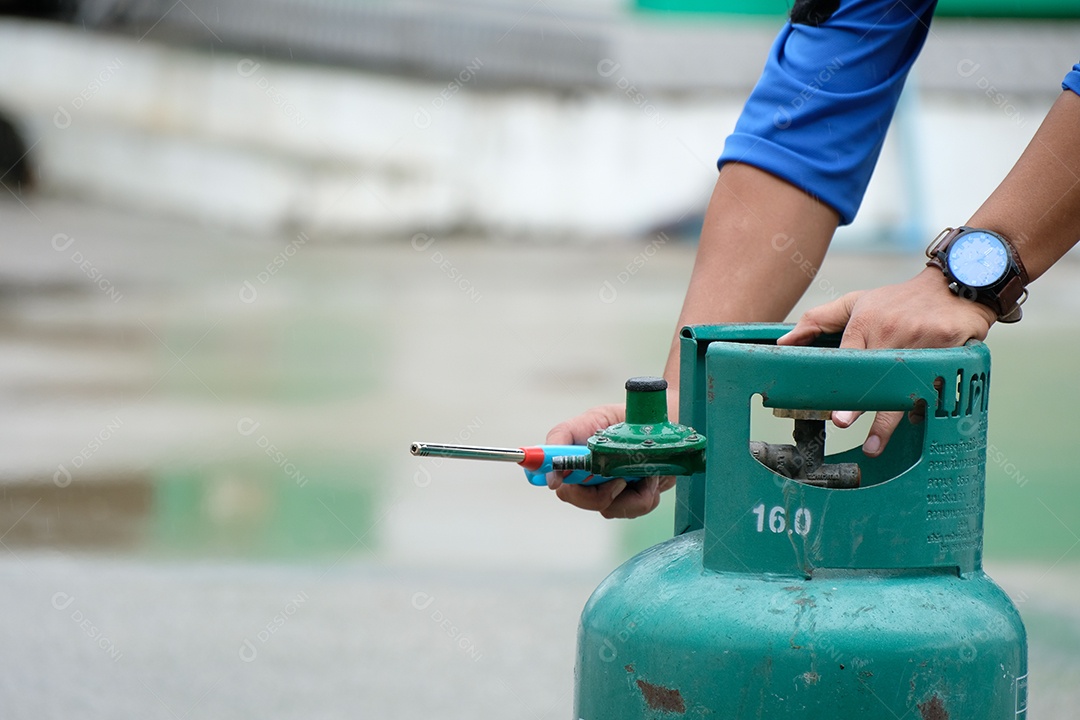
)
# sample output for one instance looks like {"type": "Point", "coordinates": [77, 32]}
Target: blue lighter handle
{"type": "Point", "coordinates": [577, 477]}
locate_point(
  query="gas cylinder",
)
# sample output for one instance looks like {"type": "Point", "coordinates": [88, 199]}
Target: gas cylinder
{"type": "Point", "coordinates": [860, 595]}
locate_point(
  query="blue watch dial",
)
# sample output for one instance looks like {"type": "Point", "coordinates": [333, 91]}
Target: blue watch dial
{"type": "Point", "coordinates": [978, 259]}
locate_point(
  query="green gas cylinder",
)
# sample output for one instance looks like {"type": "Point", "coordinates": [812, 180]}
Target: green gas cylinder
{"type": "Point", "coordinates": [782, 598]}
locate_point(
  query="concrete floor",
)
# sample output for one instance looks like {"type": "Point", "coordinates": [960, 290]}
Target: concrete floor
{"type": "Point", "coordinates": [160, 560]}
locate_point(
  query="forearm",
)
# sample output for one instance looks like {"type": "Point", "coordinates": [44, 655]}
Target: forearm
{"type": "Point", "coordinates": [1037, 205]}
{"type": "Point", "coordinates": [816, 118]}
{"type": "Point", "coordinates": [762, 243]}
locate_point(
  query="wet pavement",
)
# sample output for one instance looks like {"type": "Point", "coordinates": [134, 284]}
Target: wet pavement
{"type": "Point", "coordinates": [209, 510]}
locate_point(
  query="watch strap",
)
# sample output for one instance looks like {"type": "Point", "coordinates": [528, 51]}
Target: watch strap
{"type": "Point", "coordinates": [939, 245]}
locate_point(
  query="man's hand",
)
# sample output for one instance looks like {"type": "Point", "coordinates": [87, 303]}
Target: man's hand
{"type": "Point", "coordinates": [614, 499]}
{"type": "Point", "coordinates": [919, 313]}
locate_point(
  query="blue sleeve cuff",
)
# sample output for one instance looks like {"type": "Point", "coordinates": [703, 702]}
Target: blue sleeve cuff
{"type": "Point", "coordinates": [1072, 80]}
{"type": "Point", "coordinates": [818, 116]}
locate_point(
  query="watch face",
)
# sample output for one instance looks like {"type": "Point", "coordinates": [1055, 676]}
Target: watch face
{"type": "Point", "coordinates": [978, 259]}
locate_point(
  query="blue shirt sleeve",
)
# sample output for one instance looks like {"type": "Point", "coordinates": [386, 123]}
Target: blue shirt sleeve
{"type": "Point", "coordinates": [1072, 80]}
{"type": "Point", "coordinates": [818, 116]}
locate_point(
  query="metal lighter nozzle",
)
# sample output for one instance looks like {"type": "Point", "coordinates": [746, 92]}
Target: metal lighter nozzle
{"type": "Point", "coordinates": [467, 452]}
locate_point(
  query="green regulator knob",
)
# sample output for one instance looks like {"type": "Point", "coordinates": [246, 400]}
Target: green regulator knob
{"type": "Point", "coordinates": [647, 443]}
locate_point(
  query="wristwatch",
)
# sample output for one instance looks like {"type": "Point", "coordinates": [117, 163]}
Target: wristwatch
{"type": "Point", "coordinates": [982, 266]}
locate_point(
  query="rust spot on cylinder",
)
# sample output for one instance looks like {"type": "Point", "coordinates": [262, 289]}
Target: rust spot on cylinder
{"type": "Point", "coordinates": [933, 709]}
{"type": "Point", "coordinates": [659, 697]}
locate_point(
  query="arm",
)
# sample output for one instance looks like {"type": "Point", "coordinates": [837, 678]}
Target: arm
{"type": "Point", "coordinates": [761, 244]}
{"type": "Point", "coordinates": [1037, 206]}
{"type": "Point", "coordinates": [796, 165]}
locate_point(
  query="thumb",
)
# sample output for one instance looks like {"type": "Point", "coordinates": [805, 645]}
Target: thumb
{"type": "Point", "coordinates": [831, 317]}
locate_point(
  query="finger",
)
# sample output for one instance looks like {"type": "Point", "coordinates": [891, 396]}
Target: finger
{"type": "Point", "coordinates": [802, 334]}
{"type": "Point", "coordinates": [561, 434]}
{"type": "Point", "coordinates": [828, 318]}
{"type": "Point", "coordinates": [555, 478]}
{"type": "Point", "coordinates": [853, 339]}
{"type": "Point", "coordinates": [642, 497]}
{"type": "Point", "coordinates": [845, 418]}
{"type": "Point", "coordinates": [592, 497]}
{"type": "Point", "coordinates": [576, 431]}
{"type": "Point", "coordinates": [880, 432]}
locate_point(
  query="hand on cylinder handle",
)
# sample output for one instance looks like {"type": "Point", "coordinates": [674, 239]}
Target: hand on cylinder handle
{"type": "Point", "coordinates": [918, 313]}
